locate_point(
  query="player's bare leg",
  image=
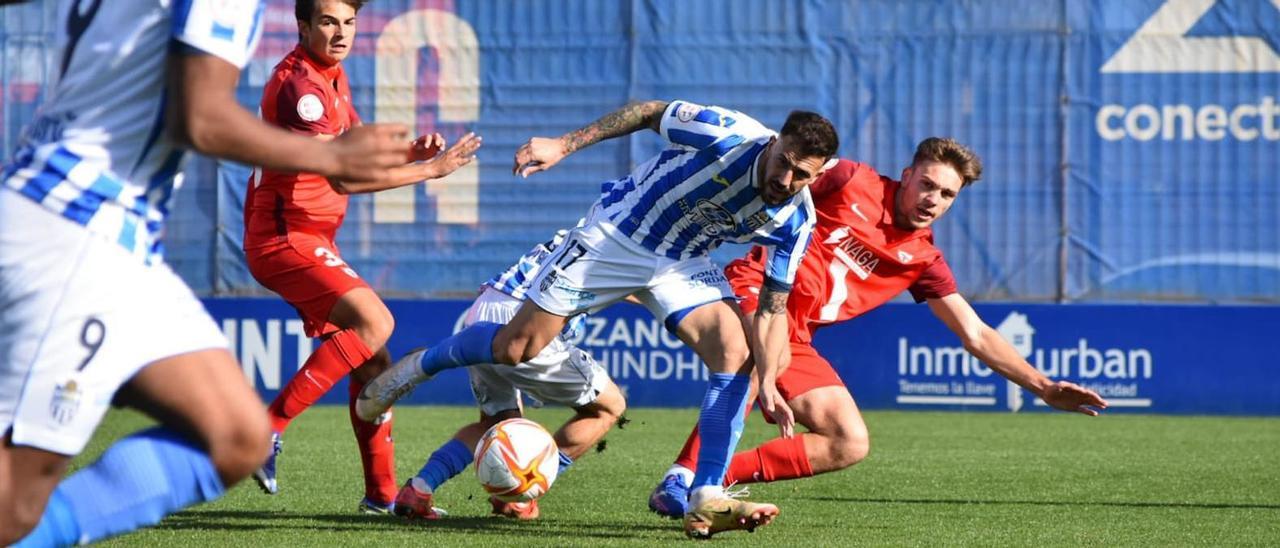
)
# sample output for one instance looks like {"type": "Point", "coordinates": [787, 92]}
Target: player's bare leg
{"type": "Point", "coordinates": [530, 331]}
{"type": "Point", "coordinates": [27, 478]}
{"type": "Point", "coordinates": [357, 349]}
{"type": "Point", "coordinates": [362, 311]}
{"type": "Point", "coordinates": [204, 394]}
{"type": "Point", "coordinates": [836, 439]}
{"type": "Point", "coordinates": [837, 436]}
{"type": "Point", "coordinates": [591, 422]}
{"type": "Point", "coordinates": [213, 434]}
{"type": "Point", "coordinates": [715, 332]}
{"type": "Point", "coordinates": [517, 341]}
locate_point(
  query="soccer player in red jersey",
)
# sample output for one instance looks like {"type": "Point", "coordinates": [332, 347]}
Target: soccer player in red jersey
{"type": "Point", "coordinates": [291, 220]}
{"type": "Point", "coordinates": [871, 242]}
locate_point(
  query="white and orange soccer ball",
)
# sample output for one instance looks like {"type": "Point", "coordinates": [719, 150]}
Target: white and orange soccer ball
{"type": "Point", "coordinates": [517, 460]}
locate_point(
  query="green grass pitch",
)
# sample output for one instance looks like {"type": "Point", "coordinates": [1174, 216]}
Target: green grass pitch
{"type": "Point", "coordinates": [932, 478]}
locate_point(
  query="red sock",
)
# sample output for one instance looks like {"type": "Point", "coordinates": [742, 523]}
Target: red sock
{"type": "Point", "coordinates": [778, 459]}
{"type": "Point", "coordinates": [688, 457]}
{"type": "Point", "coordinates": [337, 356]}
{"type": "Point", "coordinates": [377, 452]}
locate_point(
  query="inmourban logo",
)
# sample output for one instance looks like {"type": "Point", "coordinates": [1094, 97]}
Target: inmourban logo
{"type": "Point", "coordinates": [950, 375]}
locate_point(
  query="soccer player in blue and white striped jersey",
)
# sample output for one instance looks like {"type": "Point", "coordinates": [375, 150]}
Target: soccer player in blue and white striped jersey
{"type": "Point", "coordinates": [89, 312]}
{"type": "Point", "coordinates": [560, 374]}
{"type": "Point", "coordinates": [722, 177]}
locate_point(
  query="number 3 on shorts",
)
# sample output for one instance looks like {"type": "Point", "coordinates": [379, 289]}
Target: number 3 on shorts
{"type": "Point", "coordinates": [332, 259]}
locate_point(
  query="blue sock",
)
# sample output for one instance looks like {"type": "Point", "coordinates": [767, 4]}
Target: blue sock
{"type": "Point", "coordinates": [720, 424]}
{"type": "Point", "coordinates": [446, 462]}
{"type": "Point", "coordinates": [565, 463]}
{"type": "Point", "coordinates": [57, 526]}
{"type": "Point", "coordinates": [470, 346]}
{"type": "Point", "coordinates": [137, 482]}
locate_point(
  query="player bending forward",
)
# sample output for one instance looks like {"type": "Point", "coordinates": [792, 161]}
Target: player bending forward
{"type": "Point", "coordinates": [722, 177]}
{"type": "Point", "coordinates": [858, 209]}
{"type": "Point", "coordinates": [561, 373]}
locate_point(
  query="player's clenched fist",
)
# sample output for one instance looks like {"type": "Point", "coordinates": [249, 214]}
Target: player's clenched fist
{"type": "Point", "coordinates": [539, 154]}
{"type": "Point", "coordinates": [368, 152]}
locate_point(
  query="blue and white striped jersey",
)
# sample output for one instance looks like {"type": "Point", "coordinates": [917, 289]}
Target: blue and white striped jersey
{"type": "Point", "coordinates": [702, 190]}
{"type": "Point", "coordinates": [515, 280]}
{"type": "Point", "coordinates": [97, 152]}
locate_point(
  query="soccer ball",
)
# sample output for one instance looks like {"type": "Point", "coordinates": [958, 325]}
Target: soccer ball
{"type": "Point", "coordinates": [517, 460]}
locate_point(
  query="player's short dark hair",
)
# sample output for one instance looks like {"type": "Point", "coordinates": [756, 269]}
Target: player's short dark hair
{"type": "Point", "coordinates": [304, 9]}
{"type": "Point", "coordinates": [949, 151]}
{"type": "Point", "coordinates": [812, 134]}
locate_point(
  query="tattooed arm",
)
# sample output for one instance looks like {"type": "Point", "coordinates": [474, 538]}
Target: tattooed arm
{"type": "Point", "coordinates": [540, 153]}
{"type": "Point", "coordinates": [770, 344]}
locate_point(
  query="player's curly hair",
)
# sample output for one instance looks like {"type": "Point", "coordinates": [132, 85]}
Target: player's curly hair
{"type": "Point", "coordinates": [304, 9]}
{"type": "Point", "coordinates": [814, 134]}
{"type": "Point", "coordinates": [949, 151]}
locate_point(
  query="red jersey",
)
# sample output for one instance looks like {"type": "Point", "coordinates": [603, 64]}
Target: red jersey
{"type": "Point", "coordinates": [857, 259]}
{"type": "Point", "coordinates": [307, 98]}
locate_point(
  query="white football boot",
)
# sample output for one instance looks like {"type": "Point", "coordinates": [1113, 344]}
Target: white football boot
{"type": "Point", "coordinates": [398, 380]}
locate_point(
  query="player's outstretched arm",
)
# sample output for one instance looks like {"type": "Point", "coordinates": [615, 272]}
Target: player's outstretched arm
{"type": "Point", "coordinates": [540, 153]}
{"type": "Point", "coordinates": [440, 165]}
{"type": "Point", "coordinates": [770, 350]}
{"type": "Point", "coordinates": [204, 115]}
{"type": "Point", "coordinates": [988, 346]}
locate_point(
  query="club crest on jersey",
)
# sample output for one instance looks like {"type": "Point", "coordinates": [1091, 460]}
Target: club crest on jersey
{"type": "Point", "coordinates": [904, 257]}
{"type": "Point", "coordinates": [310, 108]}
{"type": "Point", "coordinates": [688, 112]}
{"type": "Point", "coordinates": [714, 219]}
{"type": "Point", "coordinates": [66, 401]}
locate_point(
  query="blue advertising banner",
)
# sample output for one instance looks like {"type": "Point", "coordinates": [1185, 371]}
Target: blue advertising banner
{"type": "Point", "coordinates": [1130, 147]}
{"type": "Point", "coordinates": [1150, 359]}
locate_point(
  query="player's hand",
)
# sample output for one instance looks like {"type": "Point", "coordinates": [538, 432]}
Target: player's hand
{"type": "Point", "coordinates": [458, 155]}
{"type": "Point", "coordinates": [778, 410]}
{"type": "Point", "coordinates": [1069, 396]}
{"type": "Point", "coordinates": [368, 152]}
{"type": "Point", "coordinates": [426, 147]}
{"type": "Point", "coordinates": [539, 154]}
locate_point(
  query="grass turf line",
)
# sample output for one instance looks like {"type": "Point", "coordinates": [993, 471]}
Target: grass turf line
{"type": "Point", "coordinates": [931, 478]}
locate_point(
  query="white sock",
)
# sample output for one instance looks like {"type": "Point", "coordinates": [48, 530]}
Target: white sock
{"type": "Point", "coordinates": [704, 493]}
{"type": "Point", "coordinates": [685, 474]}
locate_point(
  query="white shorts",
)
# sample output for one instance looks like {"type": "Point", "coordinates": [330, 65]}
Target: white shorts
{"type": "Point", "coordinates": [79, 317]}
{"type": "Point", "coordinates": [561, 374]}
{"type": "Point", "coordinates": [597, 266]}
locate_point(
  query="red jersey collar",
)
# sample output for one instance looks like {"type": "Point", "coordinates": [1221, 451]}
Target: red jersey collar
{"type": "Point", "coordinates": [331, 72]}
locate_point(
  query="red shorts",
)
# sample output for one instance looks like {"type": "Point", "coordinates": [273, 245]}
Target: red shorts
{"type": "Point", "coordinates": [309, 274]}
{"type": "Point", "coordinates": [808, 370]}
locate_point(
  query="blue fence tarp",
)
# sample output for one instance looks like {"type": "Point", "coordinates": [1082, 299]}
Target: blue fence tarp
{"type": "Point", "coordinates": [1130, 146]}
